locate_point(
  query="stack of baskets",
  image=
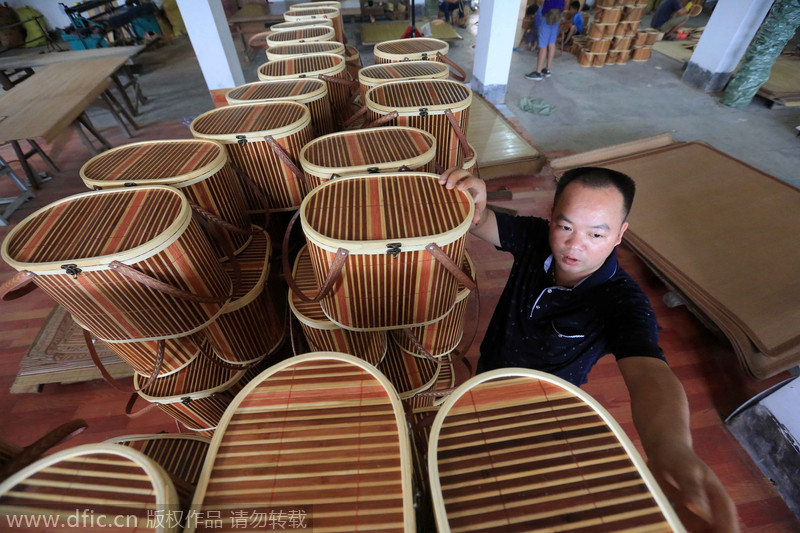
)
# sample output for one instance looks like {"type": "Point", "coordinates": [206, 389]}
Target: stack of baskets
{"type": "Point", "coordinates": [613, 34]}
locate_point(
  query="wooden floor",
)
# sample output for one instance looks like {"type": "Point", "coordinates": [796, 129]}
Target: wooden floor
{"type": "Point", "coordinates": [707, 366]}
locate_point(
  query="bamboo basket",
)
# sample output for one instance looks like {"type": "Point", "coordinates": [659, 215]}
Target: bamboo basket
{"type": "Point", "coordinates": [393, 242]}
{"type": "Point", "coordinates": [303, 24]}
{"type": "Point", "coordinates": [255, 134]}
{"type": "Point", "coordinates": [128, 264]}
{"type": "Point", "coordinates": [601, 31]}
{"type": "Point", "coordinates": [249, 328]}
{"type": "Point", "coordinates": [579, 468]}
{"type": "Point", "coordinates": [605, 3]}
{"type": "Point", "coordinates": [199, 168]}
{"type": "Point", "coordinates": [373, 150]}
{"type": "Point", "coordinates": [641, 54]}
{"type": "Point", "coordinates": [608, 15]}
{"type": "Point", "coordinates": [299, 36]}
{"type": "Point", "coordinates": [440, 107]}
{"type": "Point", "coordinates": [419, 49]}
{"type": "Point", "coordinates": [284, 51]}
{"type": "Point", "coordinates": [305, 13]}
{"type": "Point", "coordinates": [80, 485]}
{"type": "Point", "coordinates": [323, 430]}
{"type": "Point", "coordinates": [369, 77]}
{"type": "Point", "coordinates": [621, 43]}
{"type": "Point", "coordinates": [632, 14]}
{"type": "Point", "coordinates": [586, 58]}
{"type": "Point", "coordinates": [639, 40]}
{"type": "Point", "coordinates": [319, 331]}
{"type": "Point", "coordinates": [611, 58]}
{"type": "Point", "coordinates": [628, 29]}
{"type": "Point", "coordinates": [598, 60]}
{"type": "Point", "coordinates": [311, 92]}
{"type": "Point", "coordinates": [181, 456]}
{"type": "Point", "coordinates": [409, 375]}
{"type": "Point", "coordinates": [652, 36]}
{"type": "Point", "coordinates": [441, 337]}
{"type": "Point", "coordinates": [437, 394]}
{"type": "Point", "coordinates": [623, 56]}
{"type": "Point", "coordinates": [599, 46]}
{"type": "Point", "coordinates": [328, 67]}
{"type": "Point", "coordinates": [352, 58]}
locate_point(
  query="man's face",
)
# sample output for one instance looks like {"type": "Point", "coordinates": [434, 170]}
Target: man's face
{"type": "Point", "coordinates": [586, 225]}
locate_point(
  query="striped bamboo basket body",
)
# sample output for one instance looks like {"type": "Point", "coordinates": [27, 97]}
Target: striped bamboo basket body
{"type": "Point", "coordinates": [445, 381]}
{"type": "Point", "coordinates": [422, 104]}
{"type": "Point", "coordinates": [524, 450]}
{"type": "Point", "coordinates": [353, 59]}
{"type": "Point", "coordinates": [70, 244]}
{"type": "Point", "coordinates": [249, 328]}
{"type": "Point", "coordinates": [142, 356]}
{"type": "Point", "coordinates": [242, 128]}
{"type": "Point", "coordinates": [386, 221]}
{"type": "Point", "coordinates": [284, 26]}
{"type": "Point", "coordinates": [367, 151]}
{"type": "Point", "coordinates": [285, 51]}
{"type": "Point", "coordinates": [300, 13]}
{"type": "Point", "coordinates": [300, 35]}
{"type": "Point", "coordinates": [322, 334]}
{"type": "Point", "coordinates": [314, 65]}
{"type": "Point", "coordinates": [419, 49]}
{"type": "Point", "coordinates": [409, 375]}
{"type": "Point", "coordinates": [323, 434]}
{"type": "Point", "coordinates": [441, 337]}
{"type": "Point", "coordinates": [313, 93]}
{"type": "Point", "coordinates": [199, 168]}
{"type": "Point", "coordinates": [369, 77]}
{"type": "Point", "coordinates": [79, 485]}
{"type": "Point", "coordinates": [197, 395]}
{"type": "Point", "coordinates": [181, 456]}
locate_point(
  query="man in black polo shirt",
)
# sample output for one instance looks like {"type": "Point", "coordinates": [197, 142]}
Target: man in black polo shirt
{"type": "Point", "coordinates": [567, 303]}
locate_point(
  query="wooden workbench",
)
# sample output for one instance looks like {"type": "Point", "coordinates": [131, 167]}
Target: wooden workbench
{"type": "Point", "coordinates": [18, 58]}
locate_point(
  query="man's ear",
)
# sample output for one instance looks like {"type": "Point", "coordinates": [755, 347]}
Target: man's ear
{"type": "Point", "coordinates": [621, 231]}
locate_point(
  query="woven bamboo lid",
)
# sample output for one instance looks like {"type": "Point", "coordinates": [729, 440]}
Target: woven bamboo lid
{"type": "Point", "coordinates": [363, 213]}
{"type": "Point", "coordinates": [199, 379]}
{"type": "Point", "coordinates": [302, 67]}
{"type": "Point", "coordinates": [302, 49]}
{"type": "Point", "coordinates": [283, 26]}
{"type": "Point", "coordinates": [300, 35]}
{"type": "Point", "coordinates": [93, 479]}
{"type": "Point", "coordinates": [410, 97]}
{"type": "Point", "coordinates": [179, 163]}
{"type": "Point", "coordinates": [410, 49]}
{"type": "Point", "coordinates": [314, 5]}
{"type": "Point", "coordinates": [404, 70]}
{"type": "Point", "coordinates": [294, 15]}
{"type": "Point", "coordinates": [254, 269]}
{"type": "Point", "coordinates": [369, 150]}
{"type": "Point", "coordinates": [251, 121]}
{"type": "Point", "coordinates": [92, 229]}
{"type": "Point", "coordinates": [301, 90]}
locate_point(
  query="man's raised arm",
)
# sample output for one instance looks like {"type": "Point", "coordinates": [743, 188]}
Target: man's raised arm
{"type": "Point", "coordinates": [484, 223]}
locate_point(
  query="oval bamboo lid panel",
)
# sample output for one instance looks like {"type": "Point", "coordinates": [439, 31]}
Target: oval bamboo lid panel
{"type": "Point", "coordinates": [297, 90]}
{"type": "Point", "coordinates": [370, 150]}
{"type": "Point", "coordinates": [283, 26]}
{"type": "Point", "coordinates": [320, 332]}
{"type": "Point", "coordinates": [80, 485]}
{"type": "Point", "coordinates": [302, 66]}
{"type": "Point", "coordinates": [306, 13]}
{"type": "Point", "coordinates": [301, 35]}
{"type": "Point", "coordinates": [411, 97]}
{"type": "Point", "coordinates": [516, 448]}
{"type": "Point", "coordinates": [422, 48]}
{"type": "Point", "coordinates": [251, 122]}
{"type": "Point", "coordinates": [169, 162]}
{"type": "Point", "coordinates": [314, 4]}
{"type": "Point", "coordinates": [283, 51]}
{"type": "Point", "coordinates": [404, 70]}
{"type": "Point", "coordinates": [323, 435]}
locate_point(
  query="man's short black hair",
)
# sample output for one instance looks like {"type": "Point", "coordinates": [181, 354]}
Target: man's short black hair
{"type": "Point", "coordinates": [575, 5]}
{"type": "Point", "coordinates": [598, 178]}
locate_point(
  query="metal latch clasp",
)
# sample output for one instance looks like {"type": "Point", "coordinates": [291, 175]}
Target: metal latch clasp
{"type": "Point", "coordinates": [393, 248]}
{"type": "Point", "coordinates": [72, 269]}
{"type": "Point", "coordinates": [241, 139]}
{"type": "Point", "coordinates": [423, 111]}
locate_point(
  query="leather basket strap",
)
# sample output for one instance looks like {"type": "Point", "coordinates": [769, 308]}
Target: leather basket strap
{"type": "Point", "coordinates": [244, 177]}
{"type": "Point", "coordinates": [355, 116]}
{"type": "Point", "coordinates": [160, 286]}
{"type": "Point", "coordinates": [468, 153]}
{"type": "Point", "coordinates": [388, 117]}
{"type": "Point", "coordinates": [333, 274]}
{"type": "Point", "coordinates": [448, 263]}
{"type": "Point", "coordinates": [340, 81]}
{"type": "Point", "coordinates": [419, 347]}
{"type": "Point", "coordinates": [459, 75]}
{"type": "Point", "coordinates": [224, 224]}
{"type": "Point", "coordinates": [34, 451]}
{"type": "Point", "coordinates": [140, 412]}
{"type": "Point", "coordinates": [284, 157]}
{"type": "Point", "coordinates": [19, 285]}
{"type": "Point", "coordinates": [110, 379]}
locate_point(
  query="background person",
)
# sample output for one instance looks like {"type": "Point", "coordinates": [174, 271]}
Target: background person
{"type": "Point", "coordinates": [669, 16]}
{"type": "Point", "coordinates": [547, 21]}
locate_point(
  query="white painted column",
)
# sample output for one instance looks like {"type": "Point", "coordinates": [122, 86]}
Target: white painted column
{"type": "Point", "coordinates": [212, 42]}
{"type": "Point", "coordinates": [732, 26]}
{"type": "Point", "coordinates": [493, 48]}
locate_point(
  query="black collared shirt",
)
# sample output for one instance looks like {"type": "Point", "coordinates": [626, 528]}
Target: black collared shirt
{"type": "Point", "coordinates": [561, 330]}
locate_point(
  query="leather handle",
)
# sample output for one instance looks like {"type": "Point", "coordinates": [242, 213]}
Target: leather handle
{"type": "Point", "coordinates": [388, 117]}
{"type": "Point", "coordinates": [459, 75]}
{"type": "Point", "coordinates": [140, 412]}
{"type": "Point", "coordinates": [110, 379]}
{"type": "Point", "coordinates": [419, 347]}
{"type": "Point", "coordinates": [217, 221]}
{"type": "Point", "coordinates": [250, 182]}
{"type": "Point", "coordinates": [34, 451]}
{"type": "Point", "coordinates": [450, 265]}
{"type": "Point", "coordinates": [19, 285]}
{"type": "Point", "coordinates": [333, 274]}
{"type": "Point", "coordinates": [160, 286]}
{"type": "Point", "coordinates": [355, 116]}
{"type": "Point", "coordinates": [468, 153]}
{"type": "Point", "coordinates": [207, 221]}
{"type": "Point", "coordinates": [286, 160]}
{"type": "Point", "coordinates": [340, 81]}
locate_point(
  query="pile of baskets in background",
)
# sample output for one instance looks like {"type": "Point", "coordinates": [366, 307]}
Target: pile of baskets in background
{"type": "Point", "coordinates": [169, 258]}
{"type": "Point", "coordinates": [614, 36]}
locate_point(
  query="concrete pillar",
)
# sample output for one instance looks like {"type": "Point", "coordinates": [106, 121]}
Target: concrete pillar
{"type": "Point", "coordinates": [728, 33]}
{"type": "Point", "coordinates": [212, 42]}
{"type": "Point", "coordinates": [493, 48]}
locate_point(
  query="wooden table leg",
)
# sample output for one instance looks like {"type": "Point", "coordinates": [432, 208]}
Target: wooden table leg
{"type": "Point", "coordinates": [84, 121]}
{"type": "Point", "coordinates": [33, 177]}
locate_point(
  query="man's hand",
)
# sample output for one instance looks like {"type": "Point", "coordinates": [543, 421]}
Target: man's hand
{"type": "Point", "coordinates": [458, 178]}
{"type": "Point", "coordinates": [698, 496]}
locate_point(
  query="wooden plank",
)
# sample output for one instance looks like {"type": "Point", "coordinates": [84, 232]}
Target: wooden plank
{"type": "Point", "coordinates": [33, 58]}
